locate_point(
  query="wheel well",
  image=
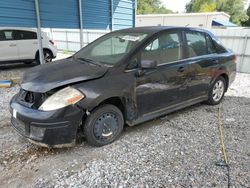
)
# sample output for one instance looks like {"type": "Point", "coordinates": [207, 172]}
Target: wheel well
{"type": "Point", "coordinates": [44, 49]}
{"type": "Point", "coordinates": [116, 101]}
{"type": "Point", "coordinates": [225, 76]}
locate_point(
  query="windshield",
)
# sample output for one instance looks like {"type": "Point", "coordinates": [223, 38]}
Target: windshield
{"type": "Point", "coordinates": [111, 48]}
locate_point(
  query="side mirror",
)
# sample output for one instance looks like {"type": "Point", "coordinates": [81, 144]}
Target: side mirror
{"type": "Point", "coordinates": [148, 64]}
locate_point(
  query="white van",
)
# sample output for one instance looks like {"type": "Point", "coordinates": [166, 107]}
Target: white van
{"type": "Point", "coordinates": [20, 44]}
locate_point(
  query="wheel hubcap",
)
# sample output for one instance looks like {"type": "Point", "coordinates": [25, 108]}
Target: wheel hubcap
{"type": "Point", "coordinates": [106, 126]}
{"type": "Point", "coordinates": [218, 90]}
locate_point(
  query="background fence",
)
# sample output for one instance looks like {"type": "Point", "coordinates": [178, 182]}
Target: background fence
{"type": "Point", "coordinates": [236, 39]}
{"type": "Point", "coordinates": [69, 39]}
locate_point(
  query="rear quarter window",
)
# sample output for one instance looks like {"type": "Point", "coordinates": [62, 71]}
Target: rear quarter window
{"type": "Point", "coordinates": [219, 47]}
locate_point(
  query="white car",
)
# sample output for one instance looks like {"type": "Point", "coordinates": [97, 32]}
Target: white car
{"type": "Point", "coordinates": [20, 44]}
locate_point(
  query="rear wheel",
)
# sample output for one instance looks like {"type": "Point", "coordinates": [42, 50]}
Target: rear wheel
{"type": "Point", "coordinates": [48, 56]}
{"type": "Point", "coordinates": [103, 125]}
{"type": "Point", "coordinates": [217, 91]}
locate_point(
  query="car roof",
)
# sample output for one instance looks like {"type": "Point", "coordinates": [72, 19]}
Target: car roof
{"type": "Point", "coordinates": [18, 28]}
{"type": "Point", "coordinates": [156, 29]}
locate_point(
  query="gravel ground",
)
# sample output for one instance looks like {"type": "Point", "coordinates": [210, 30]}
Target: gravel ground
{"type": "Point", "coordinates": [178, 150]}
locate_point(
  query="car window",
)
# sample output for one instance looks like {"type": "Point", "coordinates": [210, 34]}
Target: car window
{"type": "Point", "coordinates": [196, 42]}
{"type": "Point", "coordinates": [165, 48]}
{"type": "Point", "coordinates": [27, 35]}
{"type": "Point", "coordinates": [133, 64]}
{"type": "Point", "coordinates": [210, 45]}
{"type": "Point", "coordinates": [153, 46]}
{"type": "Point", "coordinates": [219, 47]}
{"type": "Point", "coordinates": [2, 36]}
{"type": "Point", "coordinates": [9, 35]}
{"type": "Point", "coordinates": [111, 48]}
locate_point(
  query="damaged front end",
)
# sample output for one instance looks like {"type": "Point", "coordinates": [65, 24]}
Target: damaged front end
{"type": "Point", "coordinates": [45, 110]}
{"type": "Point", "coordinates": [55, 127]}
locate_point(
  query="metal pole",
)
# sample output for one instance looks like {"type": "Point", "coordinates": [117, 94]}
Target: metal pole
{"type": "Point", "coordinates": [112, 21]}
{"type": "Point", "coordinates": [67, 41]}
{"type": "Point", "coordinates": [39, 37]}
{"type": "Point", "coordinates": [111, 14]}
{"type": "Point", "coordinates": [87, 37]}
{"type": "Point", "coordinates": [243, 53]}
{"type": "Point", "coordinates": [135, 11]}
{"type": "Point", "coordinates": [81, 25]}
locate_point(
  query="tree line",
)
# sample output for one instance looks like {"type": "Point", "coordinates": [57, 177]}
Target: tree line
{"type": "Point", "coordinates": [235, 8]}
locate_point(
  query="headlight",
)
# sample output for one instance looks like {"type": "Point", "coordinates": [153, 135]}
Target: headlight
{"type": "Point", "coordinates": [62, 98]}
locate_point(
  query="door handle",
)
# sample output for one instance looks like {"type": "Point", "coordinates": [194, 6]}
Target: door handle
{"type": "Point", "coordinates": [181, 69]}
{"type": "Point", "coordinates": [12, 45]}
{"type": "Point", "coordinates": [35, 43]}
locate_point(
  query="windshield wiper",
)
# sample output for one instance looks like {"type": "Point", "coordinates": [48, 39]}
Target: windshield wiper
{"type": "Point", "coordinates": [90, 61]}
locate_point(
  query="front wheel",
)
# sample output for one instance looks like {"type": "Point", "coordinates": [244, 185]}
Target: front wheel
{"type": "Point", "coordinates": [217, 91]}
{"type": "Point", "coordinates": [103, 125]}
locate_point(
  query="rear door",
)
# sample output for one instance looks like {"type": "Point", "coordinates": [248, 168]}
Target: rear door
{"type": "Point", "coordinates": [166, 85]}
{"type": "Point", "coordinates": [27, 44]}
{"type": "Point", "coordinates": [8, 46]}
{"type": "Point", "coordinates": [202, 60]}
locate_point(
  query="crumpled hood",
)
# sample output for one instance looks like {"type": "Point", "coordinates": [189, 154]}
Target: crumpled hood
{"type": "Point", "coordinates": [62, 72]}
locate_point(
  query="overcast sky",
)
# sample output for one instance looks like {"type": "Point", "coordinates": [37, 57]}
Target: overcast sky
{"type": "Point", "coordinates": [179, 5]}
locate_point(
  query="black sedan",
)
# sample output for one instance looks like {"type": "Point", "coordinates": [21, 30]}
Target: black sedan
{"type": "Point", "coordinates": [125, 77]}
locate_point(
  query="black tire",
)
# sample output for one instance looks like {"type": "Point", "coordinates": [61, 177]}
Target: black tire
{"type": "Point", "coordinates": [211, 96]}
{"type": "Point", "coordinates": [28, 62]}
{"type": "Point", "coordinates": [48, 56]}
{"type": "Point", "coordinates": [101, 120]}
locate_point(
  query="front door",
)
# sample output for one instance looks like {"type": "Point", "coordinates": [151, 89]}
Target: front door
{"type": "Point", "coordinates": [8, 46]}
{"type": "Point", "coordinates": [166, 85]}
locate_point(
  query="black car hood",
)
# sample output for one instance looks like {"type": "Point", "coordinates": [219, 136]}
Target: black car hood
{"type": "Point", "coordinates": [62, 72]}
